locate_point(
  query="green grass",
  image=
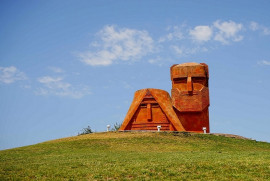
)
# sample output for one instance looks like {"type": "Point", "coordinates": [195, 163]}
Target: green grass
{"type": "Point", "coordinates": [138, 156]}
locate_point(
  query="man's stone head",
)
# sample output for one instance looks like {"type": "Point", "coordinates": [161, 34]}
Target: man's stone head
{"type": "Point", "coordinates": [190, 86]}
{"type": "Point", "coordinates": [189, 76]}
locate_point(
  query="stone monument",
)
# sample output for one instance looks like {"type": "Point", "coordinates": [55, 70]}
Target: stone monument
{"type": "Point", "coordinates": [186, 110]}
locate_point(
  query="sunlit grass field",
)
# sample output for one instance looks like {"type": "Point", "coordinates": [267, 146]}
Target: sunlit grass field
{"type": "Point", "coordinates": [139, 156]}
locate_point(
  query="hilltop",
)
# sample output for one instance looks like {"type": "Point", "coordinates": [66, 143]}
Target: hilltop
{"type": "Point", "coordinates": [139, 156]}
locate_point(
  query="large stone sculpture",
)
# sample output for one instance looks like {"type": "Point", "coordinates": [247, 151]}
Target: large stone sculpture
{"type": "Point", "coordinates": [190, 95]}
{"type": "Point", "coordinates": [150, 108]}
{"type": "Point", "coordinates": [186, 111]}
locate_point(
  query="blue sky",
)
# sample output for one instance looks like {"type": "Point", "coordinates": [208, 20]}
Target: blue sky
{"type": "Point", "coordinates": [65, 65]}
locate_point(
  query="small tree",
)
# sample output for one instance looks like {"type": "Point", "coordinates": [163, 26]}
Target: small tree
{"type": "Point", "coordinates": [87, 130]}
{"type": "Point", "coordinates": [116, 127]}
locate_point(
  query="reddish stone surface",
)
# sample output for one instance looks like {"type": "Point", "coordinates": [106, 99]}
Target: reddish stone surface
{"type": "Point", "coordinates": [190, 95]}
{"type": "Point", "coordinates": [149, 109]}
{"type": "Point", "coordinates": [187, 110]}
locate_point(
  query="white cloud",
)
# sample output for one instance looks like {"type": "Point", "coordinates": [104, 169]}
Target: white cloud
{"type": "Point", "coordinates": [56, 86]}
{"type": "Point", "coordinates": [228, 31]}
{"type": "Point", "coordinates": [266, 31]}
{"type": "Point", "coordinates": [184, 51]}
{"type": "Point", "coordinates": [264, 62]}
{"type": "Point", "coordinates": [175, 34]}
{"type": "Point", "coordinates": [114, 44]}
{"type": "Point", "coordinates": [177, 50]}
{"type": "Point", "coordinates": [156, 60]}
{"type": "Point", "coordinates": [222, 31]}
{"type": "Point", "coordinates": [118, 44]}
{"type": "Point", "coordinates": [254, 26]}
{"type": "Point", "coordinates": [11, 74]}
{"type": "Point", "coordinates": [201, 33]}
{"type": "Point", "coordinates": [56, 69]}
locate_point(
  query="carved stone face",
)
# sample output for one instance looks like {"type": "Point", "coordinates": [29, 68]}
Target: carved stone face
{"type": "Point", "coordinates": [149, 114]}
{"type": "Point", "coordinates": [190, 87]}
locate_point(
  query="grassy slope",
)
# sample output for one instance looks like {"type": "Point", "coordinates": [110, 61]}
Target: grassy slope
{"type": "Point", "coordinates": [138, 156]}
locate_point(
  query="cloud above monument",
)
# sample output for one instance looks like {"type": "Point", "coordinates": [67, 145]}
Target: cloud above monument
{"type": "Point", "coordinates": [264, 62]}
{"type": "Point", "coordinates": [254, 26]}
{"type": "Point", "coordinates": [114, 44]}
{"type": "Point", "coordinates": [175, 34]}
{"type": "Point", "coordinates": [228, 31]}
{"type": "Point", "coordinates": [222, 31]}
{"type": "Point", "coordinates": [201, 33]}
{"type": "Point", "coordinates": [117, 44]}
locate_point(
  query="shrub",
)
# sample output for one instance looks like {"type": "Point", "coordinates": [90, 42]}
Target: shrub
{"type": "Point", "coordinates": [116, 127]}
{"type": "Point", "coordinates": [87, 130]}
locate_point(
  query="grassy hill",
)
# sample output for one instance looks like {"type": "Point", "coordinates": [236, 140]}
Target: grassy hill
{"type": "Point", "coordinates": [138, 156]}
